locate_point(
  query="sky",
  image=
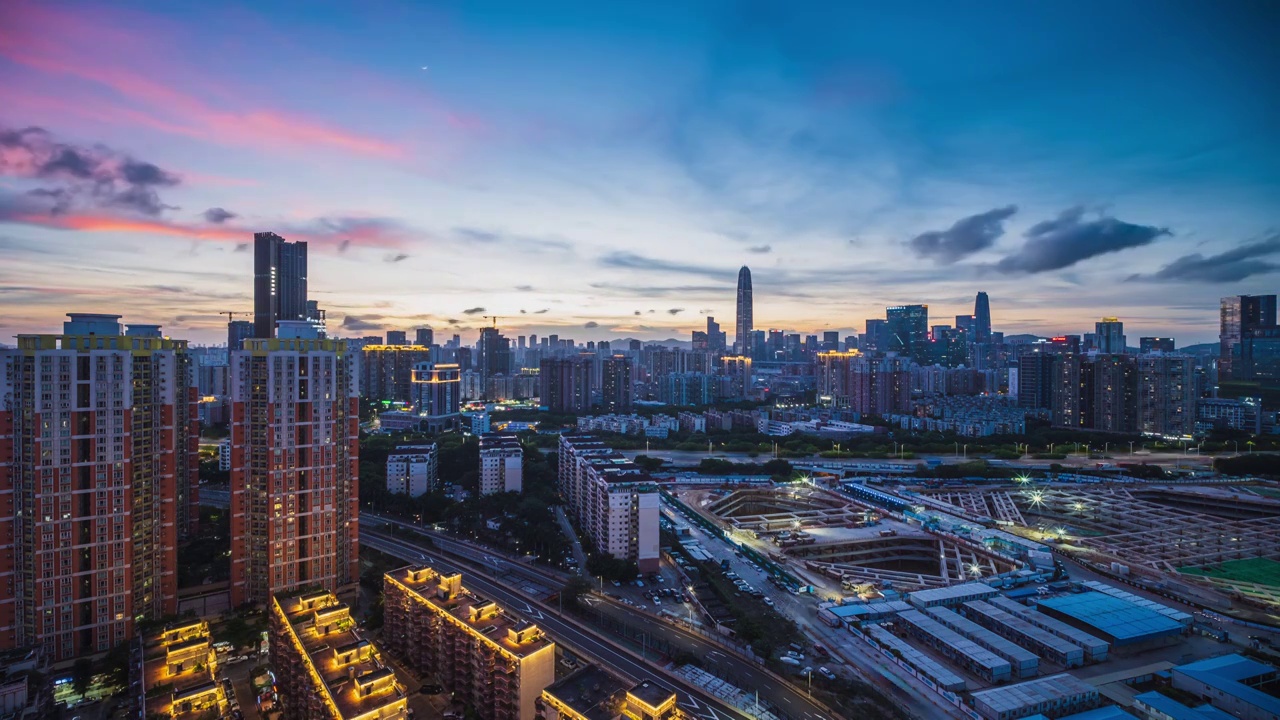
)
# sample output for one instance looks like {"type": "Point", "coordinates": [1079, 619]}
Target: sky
{"type": "Point", "coordinates": [602, 170]}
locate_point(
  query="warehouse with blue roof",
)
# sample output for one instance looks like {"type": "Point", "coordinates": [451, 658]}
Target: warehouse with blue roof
{"type": "Point", "coordinates": [1120, 622]}
{"type": "Point", "coordinates": [1231, 683]}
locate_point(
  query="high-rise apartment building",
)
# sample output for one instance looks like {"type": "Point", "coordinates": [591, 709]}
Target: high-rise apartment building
{"type": "Point", "coordinates": [501, 464]}
{"type": "Point", "coordinates": [876, 337]}
{"type": "Point", "coordinates": [907, 327]}
{"type": "Point", "coordinates": [745, 317]}
{"type": "Point", "coordinates": [1239, 316]}
{"type": "Point", "coordinates": [565, 384]}
{"type": "Point", "coordinates": [237, 332]}
{"type": "Point", "coordinates": [1166, 395]}
{"type": "Point", "coordinates": [436, 394]}
{"type": "Point", "coordinates": [98, 472]}
{"type": "Point", "coordinates": [736, 372]}
{"type": "Point", "coordinates": [413, 470]}
{"type": "Point", "coordinates": [294, 476]}
{"type": "Point", "coordinates": [982, 319]}
{"type": "Point", "coordinates": [617, 392]}
{"type": "Point", "coordinates": [279, 282]}
{"type": "Point", "coordinates": [1036, 380]}
{"type": "Point", "coordinates": [397, 337]}
{"type": "Point", "coordinates": [493, 354]}
{"type": "Point", "coordinates": [1098, 391]}
{"type": "Point", "coordinates": [1156, 344]}
{"type": "Point", "coordinates": [867, 385]}
{"type": "Point", "coordinates": [426, 337]}
{"type": "Point", "coordinates": [614, 501]}
{"type": "Point", "coordinates": [325, 667]}
{"type": "Point", "coordinates": [492, 661]}
{"type": "Point", "coordinates": [386, 371]}
{"type": "Point", "coordinates": [1110, 333]}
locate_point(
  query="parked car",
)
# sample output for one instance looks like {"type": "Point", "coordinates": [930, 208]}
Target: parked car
{"type": "Point", "coordinates": [824, 672]}
{"type": "Point", "coordinates": [431, 689]}
{"type": "Point", "coordinates": [769, 601]}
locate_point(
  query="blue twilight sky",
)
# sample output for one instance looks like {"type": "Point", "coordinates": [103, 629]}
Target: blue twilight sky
{"type": "Point", "coordinates": [603, 169]}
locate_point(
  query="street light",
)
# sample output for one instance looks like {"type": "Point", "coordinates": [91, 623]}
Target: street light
{"type": "Point", "coordinates": [1130, 447]}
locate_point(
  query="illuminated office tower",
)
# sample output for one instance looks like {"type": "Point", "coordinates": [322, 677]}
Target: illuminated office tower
{"type": "Point", "coordinates": [1110, 333]}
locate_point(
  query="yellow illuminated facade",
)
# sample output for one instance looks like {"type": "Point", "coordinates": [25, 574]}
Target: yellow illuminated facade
{"type": "Point", "coordinates": [325, 668]}
{"type": "Point", "coordinates": [180, 673]}
{"type": "Point", "coordinates": [490, 660]}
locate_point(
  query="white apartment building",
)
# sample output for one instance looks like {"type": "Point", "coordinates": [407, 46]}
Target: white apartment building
{"type": "Point", "coordinates": [413, 470]}
{"type": "Point", "coordinates": [501, 464]}
{"type": "Point", "coordinates": [614, 501]}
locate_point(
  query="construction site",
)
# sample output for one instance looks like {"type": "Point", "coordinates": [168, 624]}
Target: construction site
{"type": "Point", "coordinates": [845, 545]}
{"type": "Point", "coordinates": [1224, 538]}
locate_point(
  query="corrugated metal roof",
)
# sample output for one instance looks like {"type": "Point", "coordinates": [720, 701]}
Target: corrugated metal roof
{"type": "Point", "coordinates": [1113, 616]}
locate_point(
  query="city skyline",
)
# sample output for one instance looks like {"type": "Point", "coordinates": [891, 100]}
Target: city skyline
{"type": "Point", "coordinates": [618, 200]}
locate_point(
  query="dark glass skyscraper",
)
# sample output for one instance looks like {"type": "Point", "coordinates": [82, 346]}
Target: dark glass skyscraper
{"type": "Point", "coordinates": [1240, 315]}
{"type": "Point", "coordinates": [279, 282]}
{"type": "Point", "coordinates": [908, 327]}
{"type": "Point", "coordinates": [746, 321]}
{"type": "Point", "coordinates": [982, 319]}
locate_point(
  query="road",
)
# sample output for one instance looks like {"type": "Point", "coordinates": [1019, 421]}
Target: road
{"type": "Point", "coordinates": [693, 457]}
{"type": "Point", "coordinates": [909, 693]}
{"type": "Point", "coordinates": [564, 631]}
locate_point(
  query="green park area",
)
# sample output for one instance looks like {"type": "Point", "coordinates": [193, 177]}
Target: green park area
{"type": "Point", "coordinates": [1261, 571]}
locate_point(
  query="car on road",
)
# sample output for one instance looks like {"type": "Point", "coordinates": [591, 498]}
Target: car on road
{"type": "Point", "coordinates": [431, 689]}
{"type": "Point", "coordinates": [617, 584]}
{"type": "Point", "coordinates": [824, 672]}
{"type": "Point", "coordinates": [769, 601]}
{"type": "Point", "coordinates": [656, 600]}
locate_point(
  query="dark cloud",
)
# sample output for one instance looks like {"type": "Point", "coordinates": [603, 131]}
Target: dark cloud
{"type": "Point", "coordinates": [637, 312]}
{"type": "Point", "coordinates": [217, 215]}
{"type": "Point", "coordinates": [525, 288]}
{"type": "Point", "coordinates": [396, 257]}
{"type": "Point", "coordinates": [675, 311]}
{"type": "Point", "coordinates": [241, 247]}
{"type": "Point", "coordinates": [760, 249]}
{"type": "Point", "coordinates": [355, 323]}
{"type": "Point", "coordinates": [91, 176]}
{"type": "Point", "coordinates": [344, 245]}
{"type": "Point", "coordinates": [543, 311]}
{"type": "Point", "coordinates": [1070, 238]}
{"type": "Point", "coordinates": [591, 324]}
{"type": "Point", "coordinates": [476, 235]}
{"type": "Point", "coordinates": [473, 311]}
{"type": "Point", "coordinates": [967, 236]}
{"type": "Point", "coordinates": [631, 261]}
{"type": "Point", "coordinates": [1231, 266]}
{"type": "Point", "coordinates": [523, 311]}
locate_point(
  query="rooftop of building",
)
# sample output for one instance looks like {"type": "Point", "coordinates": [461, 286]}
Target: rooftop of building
{"type": "Point", "coordinates": [179, 663]}
{"type": "Point", "coordinates": [953, 592]}
{"type": "Point", "coordinates": [1169, 707]}
{"type": "Point", "coordinates": [1235, 675]}
{"type": "Point", "coordinates": [485, 618]}
{"type": "Point", "coordinates": [591, 692]}
{"type": "Point", "coordinates": [356, 679]}
{"type": "Point", "coordinates": [499, 441]}
{"type": "Point", "coordinates": [1113, 616]}
{"type": "Point", "coordinates": [652, 694]}
{"type": "Point", "coordinates": [1033, 692]}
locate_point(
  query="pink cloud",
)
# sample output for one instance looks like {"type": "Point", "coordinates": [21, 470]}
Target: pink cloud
{"type": "Point", "coordinates": [63, 44]}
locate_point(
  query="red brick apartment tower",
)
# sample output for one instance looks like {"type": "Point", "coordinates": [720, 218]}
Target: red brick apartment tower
{"type": "Point", "coordinates": [98, 470]}
{"type": "Point", "coordinates": [294, 467]}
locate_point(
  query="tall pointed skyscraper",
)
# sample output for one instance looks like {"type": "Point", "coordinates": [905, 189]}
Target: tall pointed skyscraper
{"type": "Point", "coordinates": [745, 319]}
{"type": "Point", "coordinates": [982, 319]}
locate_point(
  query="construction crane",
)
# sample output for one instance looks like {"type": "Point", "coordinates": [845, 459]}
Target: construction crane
{"type": "Point", "coordinates": [230, 314]}
{"type": "Point", "coordinates": [495, 319]}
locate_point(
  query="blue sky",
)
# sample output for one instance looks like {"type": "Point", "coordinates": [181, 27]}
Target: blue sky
{"type": "Point", "coordinates": [602, 169]}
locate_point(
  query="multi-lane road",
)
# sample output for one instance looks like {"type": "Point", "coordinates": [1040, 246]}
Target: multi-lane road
{"type": "Point", "coordinates": [564, 630]}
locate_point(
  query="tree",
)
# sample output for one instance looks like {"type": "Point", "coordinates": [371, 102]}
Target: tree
{"type": "Point", "coordinates": [573, 590]}
{"type": "Point", "coordinates": [82, 675]}
{"type": "Point", "coordinates": [649, 464]}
